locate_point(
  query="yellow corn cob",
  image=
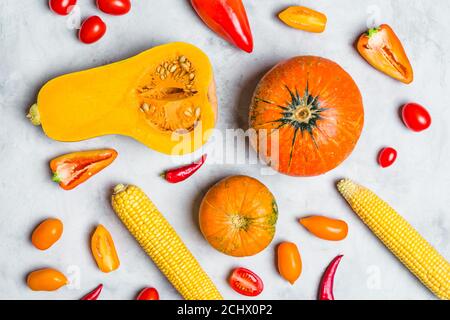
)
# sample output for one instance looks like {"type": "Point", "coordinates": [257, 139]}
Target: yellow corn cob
{"type": "Point", "coordinates": [157, 237]}
{"type": "Point", "coordinates": [400, 237]}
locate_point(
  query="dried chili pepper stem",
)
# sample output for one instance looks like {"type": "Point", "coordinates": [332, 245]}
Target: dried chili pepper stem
{"type": "Point", "coordinates": [326, 285]}
{"type": "Point", "coordinates": [93, 295]}
{"type": "Point", "coordinates": [183, 173]}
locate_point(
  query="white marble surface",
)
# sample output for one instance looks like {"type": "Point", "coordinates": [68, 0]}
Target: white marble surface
{"type": "Point", "coordinates": [36, 45]}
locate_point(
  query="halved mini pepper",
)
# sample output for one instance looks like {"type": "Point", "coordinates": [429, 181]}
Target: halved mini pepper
{"type": "Point", "coordinates": [104, 250]}
{"type": "Point", "coordinates": [384, 51]}
{"type": "Point", "coordinates": [70, 170]}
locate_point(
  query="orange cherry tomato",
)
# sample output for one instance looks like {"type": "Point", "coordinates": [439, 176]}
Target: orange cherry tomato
{"type": "Point", "coordinates": [148, 294]}
{"type": "Point", "coordinates": [304, 19]}
{"type": "Point", "coordinates": [326, 228]}
{"type": "Point", "coordinates": [289, 261]}
{"type": "Point", "coordinates": [103, 250]}
{"type": "Point", "coordinates": [46, 280]}
{"type": "Point", "coordinates": [47, 233]}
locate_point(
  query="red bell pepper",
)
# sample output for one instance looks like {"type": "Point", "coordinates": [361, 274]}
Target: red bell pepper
{"type": "Point", "coordinates": [72, 169]}
{"type": "Point", "coordinates": [228, 19]}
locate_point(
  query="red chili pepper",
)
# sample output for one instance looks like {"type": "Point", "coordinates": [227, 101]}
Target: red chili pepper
{"type": "Point", "coordinates": [181, 174]}
{"type": "Point", "coordinates": [228, 19]}
{"type": "Point", "coordinates": [326, 285]}
{"type": "Point", "coordinates": [93, 295]}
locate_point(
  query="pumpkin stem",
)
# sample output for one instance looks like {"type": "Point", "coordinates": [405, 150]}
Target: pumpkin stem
{"type": "Point", "coordinates": [303, 114]}
{"type": "Point", "coordinates": [239, 222]}
{"type": "Point", "coordinates": [33, 115]}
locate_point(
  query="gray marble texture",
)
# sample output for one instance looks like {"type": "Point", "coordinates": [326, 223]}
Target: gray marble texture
{"type": "Point", "coordinates": [36, 45]}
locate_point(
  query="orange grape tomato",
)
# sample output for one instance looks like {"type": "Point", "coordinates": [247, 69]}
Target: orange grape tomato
{"type": "Point", "coordinates": [326, 228]}
{"type": "Point", "coordinates": [46, 280]}
{"type": "Point", "coordinates": [289, 261]}
{"type": "Point", "coordinates": [47, 233]}
{"type": "Point", "coordinates": [104, 250]}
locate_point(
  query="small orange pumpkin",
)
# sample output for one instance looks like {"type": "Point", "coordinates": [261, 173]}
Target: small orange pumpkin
{"type": "Point", "coordinates": [316, 110]}
{"type": "Point", "coordinates": [238, 216]}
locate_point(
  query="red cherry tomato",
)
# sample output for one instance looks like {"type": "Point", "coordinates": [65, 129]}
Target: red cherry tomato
{"type": "Point", "coordinates": [114, 7]}
{"type": "Point", "coordinates": [62, 7]}
{"type": "Point", "coordinates": [416, 117]}
{"type": "Point", "coordinates": [246, 282]}
{"type": "Point", "coordinates": [148, 294]}
{"type": "Point", "coordinates": [387, 157]}
{"type": "Point", "coordinates": [92, 29]}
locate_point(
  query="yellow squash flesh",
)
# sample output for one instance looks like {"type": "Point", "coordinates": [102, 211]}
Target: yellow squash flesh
{"type": "Point", "coordinates": [164, 97]}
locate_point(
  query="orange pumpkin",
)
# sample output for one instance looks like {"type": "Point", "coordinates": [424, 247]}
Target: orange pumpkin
{"type": "Point", "coordinates": [238, 216]}
{"type": "Point", "coordinates": [307, 115]}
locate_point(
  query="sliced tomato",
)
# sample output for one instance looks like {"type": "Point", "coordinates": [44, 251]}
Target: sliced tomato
{"type": "Point", "coordinates": [246, 282]}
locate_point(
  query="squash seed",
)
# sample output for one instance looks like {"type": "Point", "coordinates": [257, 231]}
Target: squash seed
{"type": "Point", "coordinates": [185, 67]}
{"type": "Point", "coordinates": [173, 68]}
{"type": "Point", "coordinates": [188, 113]}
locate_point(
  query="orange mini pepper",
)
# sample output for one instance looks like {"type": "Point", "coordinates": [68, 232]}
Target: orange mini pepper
{"type": "Point", "coordinates": [72, 169]}
{"type": "Point", "coordinates": [304, 19]}
{"type": "Point", "coordinates": [47, 233]}
{"type": "Point", "coordinates": [383, 50]}
{"type": "Point", "coordinates": [103, 250]}
{"type": "Point", "coordinates": [46, 280]}
{"type": "Point", "coordinates": [289, 261]}
{"type": "Point", "coordinates": [326, 228]}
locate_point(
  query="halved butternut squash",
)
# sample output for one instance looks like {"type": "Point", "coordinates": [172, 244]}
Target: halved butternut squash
{"type": "Point", "coordinates": [164, 97]}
